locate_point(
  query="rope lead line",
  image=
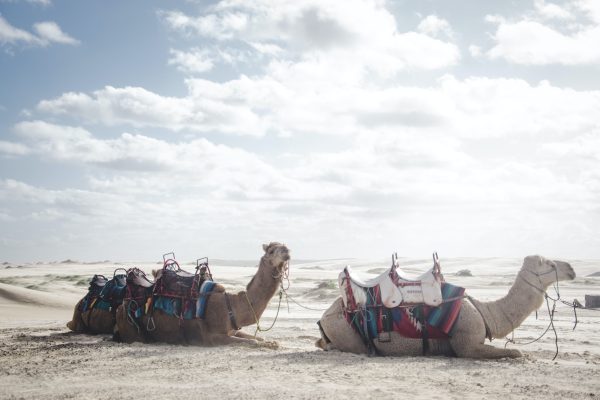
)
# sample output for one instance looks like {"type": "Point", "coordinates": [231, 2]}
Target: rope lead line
{"type": "Point", "coordinates": [258, 328]}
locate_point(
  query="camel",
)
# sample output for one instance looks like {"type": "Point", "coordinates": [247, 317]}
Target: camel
{"type": "Point", "coordinates": [222, 323]}
{"type": "Point", "coordinates": [476, 321]}
{"type": "Point", "coordinates": [91, 321]}
{"type": "Point", "coordinates": [97, 320]}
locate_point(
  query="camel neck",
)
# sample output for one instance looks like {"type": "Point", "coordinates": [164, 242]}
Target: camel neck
{"type": "Point", "coordinates": [504, 315]}
{"type": "Point", "coordinates": [259, 292]}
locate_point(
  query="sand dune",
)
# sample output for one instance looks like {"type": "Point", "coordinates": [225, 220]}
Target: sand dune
{"type": "Point", "coordinates": [31, 297]}
{"type": "Point", "coordinates": [41, 359]}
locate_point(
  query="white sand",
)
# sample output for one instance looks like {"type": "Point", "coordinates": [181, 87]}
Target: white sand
{"type": "Point", "coordinates": [40, 358]}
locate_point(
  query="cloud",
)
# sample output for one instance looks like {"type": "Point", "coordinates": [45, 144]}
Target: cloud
{"type": "Point", "coordinates": [11, 148]}
{"type": "Point", "coordinates": [434, 25]}
{"type": "Point", "coordinates": [10, 34]}
{"type": "Point", "coordinates": [193, 62]}
{"type": "Point", "coordinates": [530, 40]}
{"type": "Point", "coordinates": [552, 10]}
{"type": "Point", "coordinates": [141, 108]}
{"type": "Point", "coordinates": [47, 33]}
{"type": "Point", "coordinates": [322, 30]}
{"type": "Point", "coordinates": [301, 100]}
{"type": "Point", "coordinates": [50, 32]}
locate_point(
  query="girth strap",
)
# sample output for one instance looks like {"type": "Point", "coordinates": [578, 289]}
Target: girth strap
{"type": "Point", "coordinates": [234, 324]}
{"type": "Point", "coordinates": [488, 331]}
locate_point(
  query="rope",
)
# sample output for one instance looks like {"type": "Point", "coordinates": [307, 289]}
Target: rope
{"type": "Point", "coordinates": [288, 297]}
{"type": "Point", "coordinates": [574, 305]}
{"type": "Point", "coordinates": [284, 274]}
{"type": "Point", "coordinates": [258, 328]}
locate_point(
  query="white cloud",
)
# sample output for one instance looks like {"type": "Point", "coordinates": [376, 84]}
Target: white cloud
{"type": "Point", "coordinates": [193, 62]}
{"type": "Point", "coordinates": [10, 34]}
{"type": "Point", "coordinates": [323, 29]}
{"type": "Point", "coordinates": [142, 108]}
{"type": "Point", "coordinates": [475, 51]}
{"type": "Point", "coordinates": [11, 148]}
{"type": "Point", "coordinates": [434, 25]}
{"type": "Point", "coordinates": [552, 10]}
{"type": "Point", "coordinates": [299, 99]}
{"type": "Point", "coordinates": [531, 41]}
{"type": "Point", "coordinates": [50, 32]}
{"type": "Point", "coordinates": [198, 160]}
{"type": "Point", "coordinates": [47, 33]}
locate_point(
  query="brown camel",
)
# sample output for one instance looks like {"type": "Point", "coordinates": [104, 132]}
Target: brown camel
{"type": "Point", "coordinates": [501, 317]}
{"type": "Point", "coordinates": [91, 321]}
{"type": "Point", "coordinates": [220, 326]}
{"type": "Point", "coordinates": [99, 319]}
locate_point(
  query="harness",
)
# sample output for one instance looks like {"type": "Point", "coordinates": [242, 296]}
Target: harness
{"type": "Point", "coordinates": [375, 318]}
{"type": "Point", "coordinates": [232, 320]}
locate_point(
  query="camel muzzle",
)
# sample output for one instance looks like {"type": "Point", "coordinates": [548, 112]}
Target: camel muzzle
{"type": "Point", "coordinates": [566, 268]}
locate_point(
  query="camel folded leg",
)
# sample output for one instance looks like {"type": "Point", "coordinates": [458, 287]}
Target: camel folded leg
{"type": "Point", "coordinates": [76, 323]}
{"type": "Point", "coordinates": [483, 350]}
{"type": "Point", "coordinates": [220, 339]}
{"type": "Point", "coordinates": [245, 335]}
{"type": "Point", "coordinates": [469, 336]}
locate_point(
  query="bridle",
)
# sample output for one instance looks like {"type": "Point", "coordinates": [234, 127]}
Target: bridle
{"type": "Point", "coordinates": [538, 275]}
{"type": "Point", "coordinates": [284, 273]}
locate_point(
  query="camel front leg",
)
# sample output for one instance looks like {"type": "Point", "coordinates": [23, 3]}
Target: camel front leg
{"type": "Point", "coordinates": [245, 335]}
{"type": "Point", "coordinates": [221, 340]}
{"type": "Point", "coordinates": [76, 323]}
{"type": "Point", "coordinates": [483, 351]}
{"type": "Point", "coordinates": [468, 339]}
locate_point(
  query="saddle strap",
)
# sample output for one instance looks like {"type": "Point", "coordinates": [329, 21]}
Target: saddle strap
{"type": "Point", "coordinates": [234, 324]}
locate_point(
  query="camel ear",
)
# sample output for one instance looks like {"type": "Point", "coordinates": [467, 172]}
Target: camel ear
{"type": "Point", "coordinates": [265, 247]}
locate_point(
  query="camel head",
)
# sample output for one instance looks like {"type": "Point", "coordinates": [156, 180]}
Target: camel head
{"type": "Point", "coordinates": [543, 272]}
{"type": "Point", "coordinates": [277, 255]}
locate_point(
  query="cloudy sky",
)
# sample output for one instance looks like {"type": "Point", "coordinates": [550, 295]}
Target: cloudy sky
{"type": "Point", "coordinates": [349, 128]}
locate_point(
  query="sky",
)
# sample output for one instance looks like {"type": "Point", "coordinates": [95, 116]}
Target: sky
{"type": "Point", "coordinates": [352, 128]}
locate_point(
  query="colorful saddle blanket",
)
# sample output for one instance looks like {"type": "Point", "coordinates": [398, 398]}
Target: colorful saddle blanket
{"type": "Point", "coordinates": [186, 308]}
{"type": "Point", "coordinates": [394, 289]}
{"type": "Point", "coordinates": [416, 322]}
{"type": "Point", "coordinates": [104, 294]}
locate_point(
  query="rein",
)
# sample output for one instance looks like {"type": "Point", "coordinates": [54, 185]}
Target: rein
{"type": "Point", "coordinates": [284, 274]}
{"type": "Point", "coordinates": [574, 305]}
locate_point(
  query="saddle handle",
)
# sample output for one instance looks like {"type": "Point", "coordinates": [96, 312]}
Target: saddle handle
{"type": "Point", "coordinates": [395, 259]}
{"type": "Point", "coordinates": [436, 263]}
{"type": "Point", "coordinates": [170, 262]}
{"type": "Point", "coordinates": [122, 269]}
{"type": "Point", "coordinates": [200, 262]}
{"type": "Point", "coordinates": [202, 268]}
{"type": "Point", "coordinates": [172, 265]}
{"type": "Point", "coordinates": [165, 258]}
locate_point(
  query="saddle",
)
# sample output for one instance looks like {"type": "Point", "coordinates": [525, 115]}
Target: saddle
{"type": "Point", "coordinates": [172, 281]}
{"type": "Point", "coordinates": [181, 293]}
{"type": "Point", "coordinates": [114, 290]}
{"type": "Point", "coordinates": [105, 293]}
{"type": "Point", "coordinates": [393, 288]}
{"type": "Point", "coordinates": [97, 283]}
{"type": "Point", "coordinates": [138, 293]}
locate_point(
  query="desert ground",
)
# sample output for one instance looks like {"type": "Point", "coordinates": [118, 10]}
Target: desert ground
{"type": "Point", "coordinates": [41, 358]}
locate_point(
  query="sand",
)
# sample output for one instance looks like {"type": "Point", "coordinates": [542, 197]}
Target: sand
{"type": "Point", "coordinates": [40, 358]}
